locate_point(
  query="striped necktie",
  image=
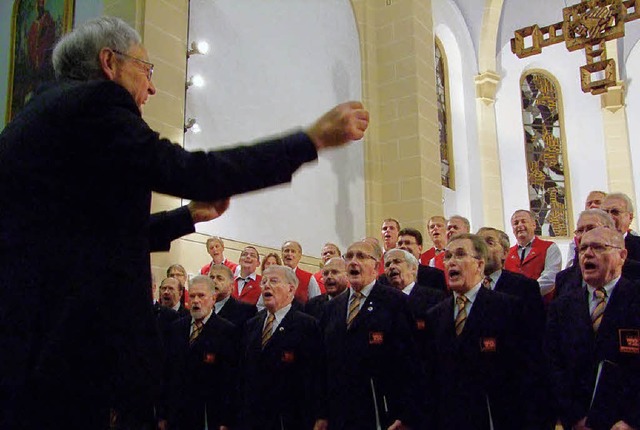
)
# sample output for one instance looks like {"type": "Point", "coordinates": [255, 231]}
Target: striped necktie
{"type": "Point", "coordinates": [596, 316]}
{"type": "Point", "coordinates": [195, 332]}
{"type": "Point", "coordinates": [461, 301]}
{"type": "Point", "coordinates": [354, 307]}
{"type": "Point", "coordinates": [268, 329]}
{"type": "Point", "coordinates": [486, 282]}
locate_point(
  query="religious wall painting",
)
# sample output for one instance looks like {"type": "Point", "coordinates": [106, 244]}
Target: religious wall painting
{"type": "Point", "coordinates": [36, 26]}
{"type": "Point", "coordinates": [444, 123]}
{"type": "Point", "coordinates": [546, 174]}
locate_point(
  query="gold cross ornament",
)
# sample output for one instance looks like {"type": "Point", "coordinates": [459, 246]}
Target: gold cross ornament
{"type": "Point", "coordinates": [589, 25]}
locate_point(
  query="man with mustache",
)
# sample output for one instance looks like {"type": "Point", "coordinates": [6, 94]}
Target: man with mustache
{"type": "Point", "coordinates": [202, 365]}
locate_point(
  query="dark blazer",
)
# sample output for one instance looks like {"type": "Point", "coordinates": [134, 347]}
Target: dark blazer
{"type": "Point", "coordinates": [83, 152]}
{"type": "Point", "coordinates": [200, 375]}
{"type": "Point", "coordinates": [237, 312]}
{"type": "Point", "coordinates": [527, 289]}
{"type": "Point", "coordinates": [282, 385]}
{"type": "Point", "coordinates": [431, 277]}
{"type": "Point", "coordinates": [491, 359]}
{"type": "Point", "coordinates": [575, 352]}
{"type": "Point", "coordinates": [421, 300]}
{"type": "Point", "coordinates": [315, 306]}
{"type": "Point", "coordinates": [378, 349]}
{"type": "Point", "coordinates": [632, 244]}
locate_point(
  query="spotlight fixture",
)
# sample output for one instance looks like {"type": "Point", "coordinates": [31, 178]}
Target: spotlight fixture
{"type": "Point", "coordinates": [196, 81]}
{"type": "Point", "coordinates": [201, 47]}
{"type": "Point", "coordinates": [192, 125]}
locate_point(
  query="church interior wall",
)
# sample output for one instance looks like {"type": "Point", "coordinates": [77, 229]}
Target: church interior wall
{"type": "Point", "coordinates": [450, 28]}
{"type": "Point", "coordinates": [273, 66]}
{"type": "Point", "coordinates": [583, 130]}
{"type": "Point", "coordinates": [632, 72]}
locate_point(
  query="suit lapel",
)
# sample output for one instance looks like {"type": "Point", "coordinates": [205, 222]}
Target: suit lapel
{"type": "Point", "coordinates": [614, 313]}
{"type": "Point", "coordinates": [476, 316]}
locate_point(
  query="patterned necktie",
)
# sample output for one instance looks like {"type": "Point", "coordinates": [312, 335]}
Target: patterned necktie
{"type": "Point", "coordinates": [354, 307]}
{"type": "Point", "coordinates": [596, 316]}
{"type": "Point", "coordinates": [461, 301]}
{"type": "Point", "coordinates": [486, 282]}
{"type": "Point", "coordinates": [268, 329]}
{"type": "Point", "coordinates": [197, 329]}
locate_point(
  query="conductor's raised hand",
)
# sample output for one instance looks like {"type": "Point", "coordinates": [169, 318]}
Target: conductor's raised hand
{"type": "Point", "coordinates": [206, 211]}
{"type": "Point", "coordinates": [342, 124]}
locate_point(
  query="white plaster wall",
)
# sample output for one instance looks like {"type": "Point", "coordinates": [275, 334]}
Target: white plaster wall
{"type": "Point", "coordinates": [273, 66]}
{"type": "Point", "coordinates": [451, 30]}
{"type": "Point", "coordinates": [632, 68]}
{"type": "Point", "coordinates": [582, 120]}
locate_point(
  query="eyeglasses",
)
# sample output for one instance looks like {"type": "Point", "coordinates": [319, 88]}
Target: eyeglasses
{"type": "Point", "coordinates": [360, 256]}
{"type": "Point", "coordinates": [614, 211]}
{"type": "Point", "coordinates": [148, 67]}
{"type": "Point", "coordinates": [458, 255]}
{"type": "Point", "coordinates": [597, 248]}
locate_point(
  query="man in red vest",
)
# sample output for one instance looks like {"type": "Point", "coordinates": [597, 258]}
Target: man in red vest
{"type": "Point", "coordinates": [246, 287]}
{"type": "Point", "coordinates": [307, 285]}
{"type": "Point", "coordinates": [436, 229]}
{"type": "Point", "coordinates": [329, 251]}
{"type": "Point", "coordinates": [531, 256]}
{"type": "Point", "coordinates": [215, 248]}
{"type": "Point", "coordinates": [456, 225]}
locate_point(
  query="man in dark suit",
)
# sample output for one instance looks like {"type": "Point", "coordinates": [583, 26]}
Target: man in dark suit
{"type": "Point", "coordinates": [570, 279]}
{"type": "Point", "coordinates": [227, 306]}
{"type": "Point", "coordinates": [498, 279]}
{"type": "Point", "coordinates": [282, 362]}
{"type": "Point", "coordinates": [170, 292]}
{"type": "Point", "coordinates": [70, 358]}
{"type": "Point", "coordinates": [373, 371]}
{"type": "Point", "coordinates": [400, 267]}
{"type": "Point", "coordinates": [202, 366]}
{"type": "Point", "coordinates": [334, 278]}
{"type": "Point", "coordinates": [480, 359]}
{"type": "Point", "coordinates": [597, 324]}
{"type": "Point", "coordinates": [620, 207]}
{"type": "Point", "coordinates": [410, 240]}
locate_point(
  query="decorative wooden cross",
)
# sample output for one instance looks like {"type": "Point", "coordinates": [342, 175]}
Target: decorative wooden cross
{"type": "Point", "coordinates": [589, 25]}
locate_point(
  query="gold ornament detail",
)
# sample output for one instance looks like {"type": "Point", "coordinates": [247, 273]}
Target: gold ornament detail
{"type": "Point", "coordinates": [586, 25]}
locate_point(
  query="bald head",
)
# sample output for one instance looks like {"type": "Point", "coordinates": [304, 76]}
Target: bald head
{"type": "Point", "coordinates": [334, 276]}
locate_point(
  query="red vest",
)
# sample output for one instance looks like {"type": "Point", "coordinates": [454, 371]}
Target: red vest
{"type": "Point", "coordinates": [230, 264]}
{"type": "Point", "coordinates": [533, 264]}
{"type": "Point", "coordinates": [320, 281]}
{"type": "Point", "coordinates": [250, 292]}
{"type": "Point", "coordinates": [438, 261]}
{"type": "Point", "coordinates": [302, 293]}
{"type": "Point", "coordinates": [426, 256]}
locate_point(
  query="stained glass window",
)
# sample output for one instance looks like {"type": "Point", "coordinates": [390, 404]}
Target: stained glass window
{"type": "Point", "coordinates": [444, 133]}
{"type": "Point", "coordinates": [541, 118]}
